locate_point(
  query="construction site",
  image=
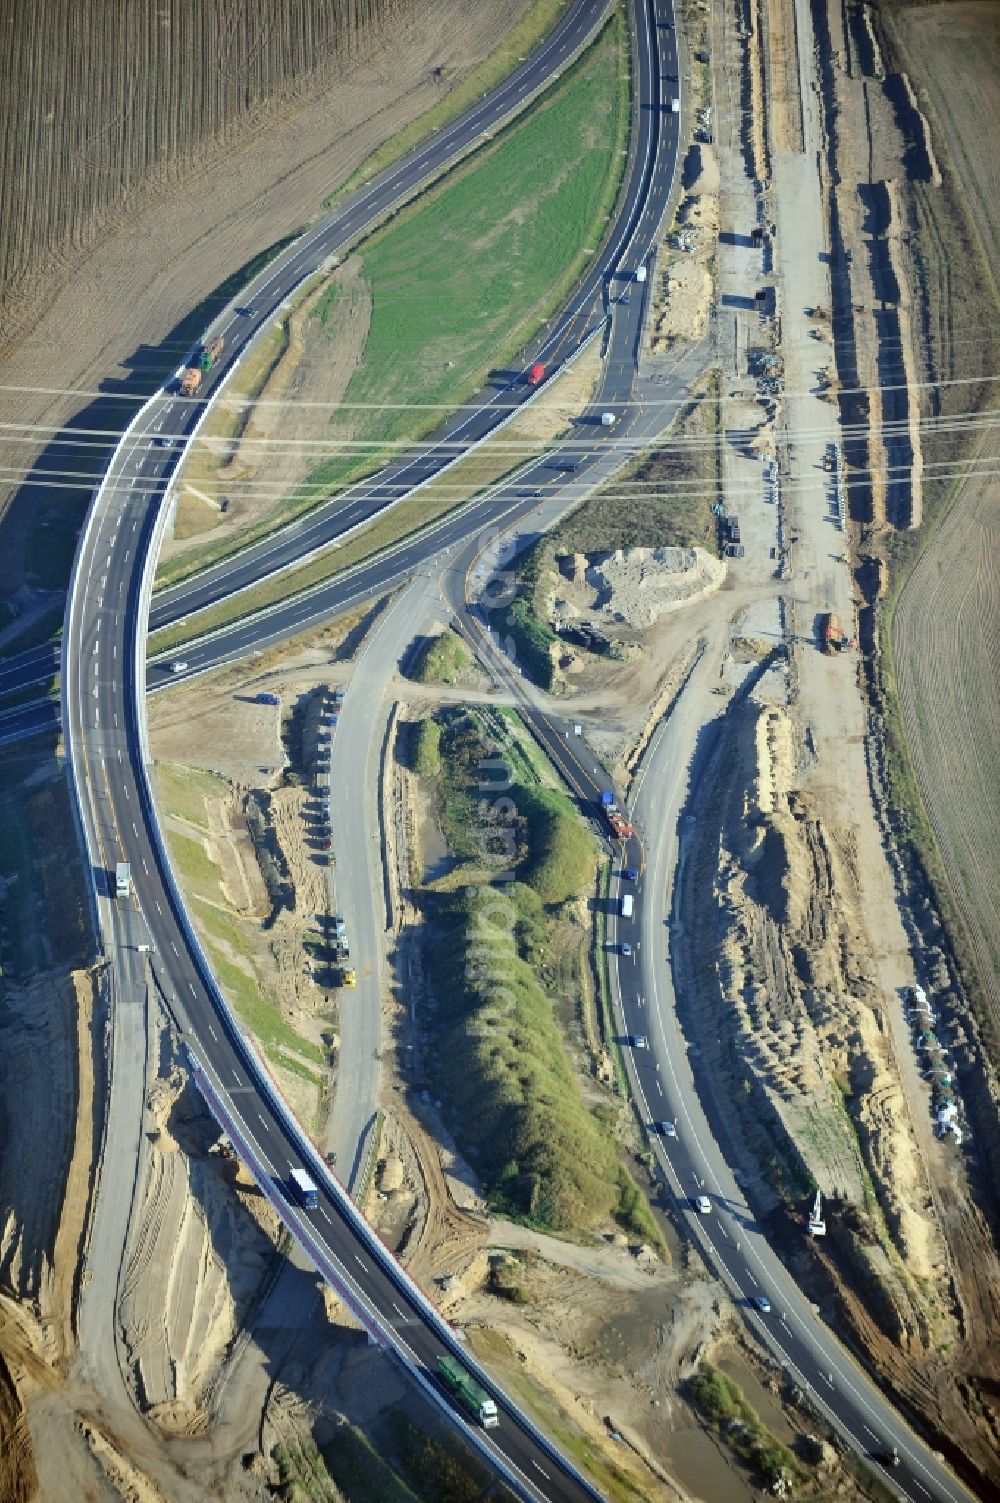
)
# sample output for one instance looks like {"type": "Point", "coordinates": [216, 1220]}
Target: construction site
{"type": "Point", "coordinates": [775, 626]}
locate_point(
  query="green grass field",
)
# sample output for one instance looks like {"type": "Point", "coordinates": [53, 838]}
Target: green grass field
{"type": "Point", "coordinates": [280, 1043]}
{"type": "Point", "coordinates": [182, 791]}
{"type": "Point", "coordinates": [539, 19]}
{"type": "Point", "coordinates": [463, 278]}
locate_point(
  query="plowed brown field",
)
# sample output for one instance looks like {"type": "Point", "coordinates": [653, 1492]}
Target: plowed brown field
{"type": "Point", "coordinates": [944, 631]}
{"type": "Point", "coordinates": [102, 92]}
{"type": "Point", "coordinates": [948, 667]}
{"type": "Point", "coordinates": [119, 242]}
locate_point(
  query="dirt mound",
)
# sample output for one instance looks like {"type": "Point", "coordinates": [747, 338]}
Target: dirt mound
{"type": "Point", "coordinates": [633, 586]}
{"type": "Point", "coordinates": [195, 1259]}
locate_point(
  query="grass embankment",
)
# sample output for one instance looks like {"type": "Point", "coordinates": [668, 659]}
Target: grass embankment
{"type": "Point", "coordinates": [665, 499]}
{"type": "Point", "coordinates": [229, 941]}
{"type": "Point", "coordinates": [722, 1403]}
{"type": "Point", "coordinates": [205, 465]}
{"type": "Point", "coordinates": [511, 963]}
{"type": "Point", "coordinates": [459, 282]}
{"type": "Point", "coordinates": [443, 660]}
{"type": "Point", "coordinates": [521, 627]}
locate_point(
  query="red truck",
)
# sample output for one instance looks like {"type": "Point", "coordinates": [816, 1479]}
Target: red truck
{"type": "Point", "coordinates": [536, 375]}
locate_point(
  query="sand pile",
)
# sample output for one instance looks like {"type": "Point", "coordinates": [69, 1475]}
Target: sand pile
{"type": "Point", "coordinates": [638, 585]}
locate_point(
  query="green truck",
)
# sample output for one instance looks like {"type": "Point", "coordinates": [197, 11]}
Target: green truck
{"type": "Point", "coordinates": [468, 1392]}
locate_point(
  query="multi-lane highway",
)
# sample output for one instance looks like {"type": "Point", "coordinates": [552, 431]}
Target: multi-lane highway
{"type": "Point", "coordinates": [643, 200]}
{"type": "Point", "coordinates": [663, 1083]}
{"type": "Point", "coordinates": [103, 678]}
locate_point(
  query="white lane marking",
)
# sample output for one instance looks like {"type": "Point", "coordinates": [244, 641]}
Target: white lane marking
{"type": "Point", "coordinates": [236, 1077]}
{"type": "Point", "coordinates": [398, 1310]}
{"type": "Point", "coordinates": [157, 902]}
{"type": "Point", "coordinates": [361, 1262]}
{"type": "Point", "coordinates": [135, 830]}
{"type": "Point", "coordinates": [174, 948]}
{"type": "Point", "coordinates": [126, 792]}
{"type": "Point", "coordinates": [213, 1033]}
{"type": "Point", "coordinates": [871, 1432]}
{"type": "Point", "coordinates": [544, 1473]}
{"type": "Point", "coordinates": [260, 1119]}
{"type": "Point", "coordinates": [325, 1214]}
{"type": "Point", "coordinates": [144, 866]}
{"type": "Point", "coordinates": [194, 993]}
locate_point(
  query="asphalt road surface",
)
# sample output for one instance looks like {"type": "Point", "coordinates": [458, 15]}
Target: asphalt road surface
{"type": "Point", "coordinates": [608, 286]}
{"type": "Point", "coordinates": [662, 1078]}
{"type": "Point", "coordinates": [103, 673]}
{"type": "Point", "coordinates": [106, 646]}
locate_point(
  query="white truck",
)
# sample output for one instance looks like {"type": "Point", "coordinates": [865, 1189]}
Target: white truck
{"type": "Point", "coordinates": [675, 106]}
{"type": "Point", "coordinates": [608, 420]}
{"type": "Point", "coordinates": [303, 1189]}
{"type": "Point", "coordinates": [628, 905]}
{"type": "Point", "coordinates": [123, 880]}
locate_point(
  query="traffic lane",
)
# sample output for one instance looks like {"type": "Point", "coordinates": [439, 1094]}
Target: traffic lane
{"type": "Point", "coordinates": [352, 509]}
{"type": "Point", "coordinates": [726, 1250]}
{"type": "Point", "coordinates": [744, 1252]}
{"type": "Point", "coordinates": [223, 1051]}
{"type": "Point", "coordinates": [41, 717]}
{"type": "Point", "coordinates": [30, 667]}
{"type": "Point", "coordinates": [322, 529]}
{"type": "Point", "coordinates": [240, 641]}
{"type": "Point", "coordinates": [112, 702]}
{"type": "Point", "coordinates": [387, 1297]}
